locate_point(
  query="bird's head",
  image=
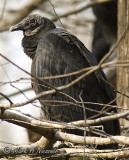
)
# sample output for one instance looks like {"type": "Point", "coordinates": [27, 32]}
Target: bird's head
{"type": "Point", "coordinates": [33, 24]}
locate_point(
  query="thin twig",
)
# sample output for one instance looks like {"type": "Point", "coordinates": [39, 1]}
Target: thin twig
{"type": "Point", "coordinates": [3, 95]}
{"type": "Point", "coordinates": [52, 134]}
{"type": "Point", "coordinates": [94, 68]}
{"type": "Point", "coordinates": [115, 46]}
{"type": "Point", "coordinates": [16, 93]}
{"type": "Point", "coordinates": [20, 14]}
{"type": "Point", "coordinates": [44, 82]}
{"type": "Point", "coordinates": [75, 11]}
{"type": "Point", "coordinates": [3, 9]}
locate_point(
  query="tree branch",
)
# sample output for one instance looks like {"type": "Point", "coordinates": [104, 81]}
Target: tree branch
{"type": "Point", "coordinates": [52, 134]}
{"type": "Point", "coordinates": [94, 153]}
{"type": "Point", "coordinates": [83, 123]}
{"type": "Point", "coordinates": [19, 15]}
{"type": "Point", "coordinates": [32, 149]}
{"type": "Point", "coordinates": [75, 11]}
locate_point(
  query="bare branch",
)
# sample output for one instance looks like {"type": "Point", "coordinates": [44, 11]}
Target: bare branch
{"type": "Point", "coordinates": [47, 84]}
{"type": "Point", "coordinates": [93, 69]}
{"type": "Point", "coordinates": [94, 153]}
{"type": "Point", "coordinates": [37, 150]}
{"type": "Point", "coordinates": [17, 118]}
{"type": "Point", "coordinates": [115, 46]}
{"type": "Point", "coordinates": [32, 149]}
{"type": "Point", "coordinates": [15, 93]}
{"type": "Point", "coordinates": [52, 134]}
{"type": "Point", "coordinates": [75, 11]}
{"type": "Point", "coordinates": [30, 100]}
{"type": "Point", "coordinates": [20, 14]}
{"type": "Point", "coordinates": [3, 9]}
{"type": "Point", "coordinates": [83, 123]}
{"type": "Point", "coordinates": [3, 95]}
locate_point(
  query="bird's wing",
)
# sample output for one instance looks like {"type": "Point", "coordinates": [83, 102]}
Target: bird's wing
{"type": "Point", "coordinates": [105, 86]}
{"type": "Point", "coordinates": [57, 54]}
{"type": "Point", "coordinates": [54, 56]}
{"type": "Point", "coordinates": [99, 74]}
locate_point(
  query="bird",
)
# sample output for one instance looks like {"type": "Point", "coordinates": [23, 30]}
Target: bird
{"type": "Point", "coordinates": [105, 31]}
{"type": "Point", "coordinates": [55, 51]}
{"type": "Point", "coordinates": [105, 35]}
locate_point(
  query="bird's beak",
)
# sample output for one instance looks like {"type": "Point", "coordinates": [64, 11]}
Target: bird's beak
{"type": "Point", "coordinates": [16, 27]}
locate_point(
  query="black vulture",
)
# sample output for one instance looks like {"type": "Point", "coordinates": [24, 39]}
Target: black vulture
{"type": "Point", "coordinates": [55, 51]}
{"type": "Point", "coordinates": [105, 31]}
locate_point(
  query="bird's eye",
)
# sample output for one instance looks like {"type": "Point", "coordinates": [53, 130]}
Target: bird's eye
{"type": "Point", "coordinates": [33, 22]}
{"type": "Point", "coordinates": [27, 23]}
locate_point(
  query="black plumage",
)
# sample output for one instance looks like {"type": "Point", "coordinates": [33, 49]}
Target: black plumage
{"type": "Point", "coordinates": [105, 31]}
{"type": "Point", "coordinates": [55, 51]}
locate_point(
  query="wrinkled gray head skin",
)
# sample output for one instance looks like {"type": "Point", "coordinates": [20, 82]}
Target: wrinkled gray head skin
{"type": "Point", "coordinates": [32, 25]}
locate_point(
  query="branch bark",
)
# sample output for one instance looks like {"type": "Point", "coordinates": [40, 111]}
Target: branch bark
{"type": "Point", "coordinates": [54, 135]}
{"type": "Point", "coordinates": [32, 149]}
{"type": "Point", "coordinates": [123, 54]}
{"type": "Point", "coordinates": [40, 151]}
